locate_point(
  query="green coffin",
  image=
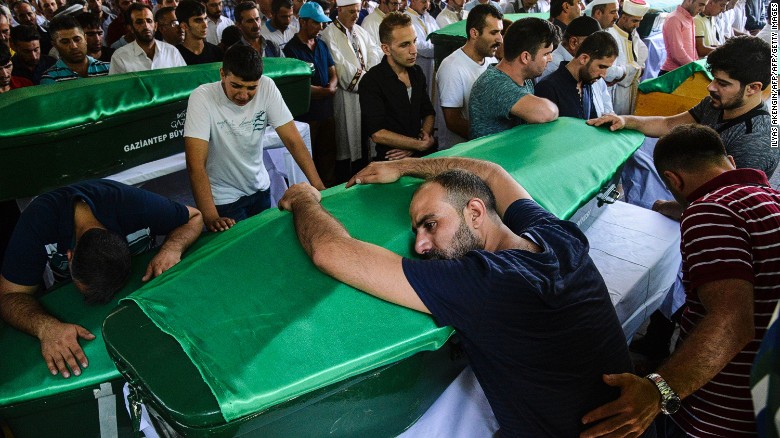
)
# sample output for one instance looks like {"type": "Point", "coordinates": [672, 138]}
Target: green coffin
{"type": "Point", "coordinates": [452, 37]}
{"type": "Point", "coordinates": [59, 134]}
{"type": "Point", "coordinates": [670, 81]}
{"type": "Point", "coordinates": [246, 336]}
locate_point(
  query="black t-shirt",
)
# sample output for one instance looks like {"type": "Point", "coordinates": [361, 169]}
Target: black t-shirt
{"type": "Point", "coordinates": [561, 88]}
{"type": "Point", "coordinates": [210, 53]}
{"type": "Point", "coordinates": [44, 232]}
{"type": "Point", "coordinates": [539, 329]}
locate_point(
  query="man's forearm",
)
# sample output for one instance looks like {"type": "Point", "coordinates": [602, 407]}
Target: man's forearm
{"type": "Point", "coordinates": [182, 237]}
{"type": "Point", "coordinates": [23, 312]}
{"type": "Point", "coordinates": [398, 141]}
{"type": "Point", "coordinates": [201, 191]}
{"type": "Point", "coordinates": [427, 125]}
{"type": "Point", "coordinates": [314, 225]}
{"type": "Point", "coordinates": [710, 346]}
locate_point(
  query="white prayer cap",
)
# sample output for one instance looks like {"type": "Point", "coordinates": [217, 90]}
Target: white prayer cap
{"type": "Point", "coordinates": [589, 8]}
{"type": "Point", "coordinates": [637, 8]}
{"type": "Point", "coordinates": [347, 2]}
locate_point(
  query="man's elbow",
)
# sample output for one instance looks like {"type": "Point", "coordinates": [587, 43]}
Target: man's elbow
{"type": "Point", "coordinates": [546, 112]}
{"type": "Point", "coordinates": [323, 256]}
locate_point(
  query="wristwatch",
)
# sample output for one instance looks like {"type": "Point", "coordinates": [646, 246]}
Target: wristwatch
{"type": "Point", "coordinates": [670, 401]}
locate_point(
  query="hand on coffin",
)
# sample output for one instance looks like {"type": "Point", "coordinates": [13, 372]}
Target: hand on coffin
{"type": "Point", "coordinates": [613, 121]}
{"type": "Point", "coordinates": [378, 172]}
{"type": "Point", "coordinates": [61, 350]}
{"type": "Point", "coordinates": [219, 224]}
{"type": "Point", "coordinates": [301, 192]}
{"type": "Point", "coordinates": [164, 260]}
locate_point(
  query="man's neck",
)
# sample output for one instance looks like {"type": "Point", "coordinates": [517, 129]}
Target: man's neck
{"type": "Point", "coordinates": [416, 12]}
{"type": "Point", "coordinates": [80, 68]}
{"type": "Point", "coordinates": [148, 48]}
{"type": "Point", "coordinates": [398, 69]}
{"type": "Point", "coordinates": [453, 7]}
{"type": "Point", "coordinates": [574, 70]}
{"type": "Point", "coordinates": [193, 44]}
{"type": "Point", "coordinates": [83, 219]}
{"type": "Point", "coordinates": [349, 28]}
{"type": "Point", "coordinates": [471, 51]}
{"type": "Point", "coordinates": [750, 103]}
{"type": "Point", "coordinates": [513, 71]}
{"type": "Point", "coordinates": [569, 49]}
{"type": "Point", "coordinates": [214, 18]}
{"type": "Point", "coordinates": [499, 237]}
{"type": "Point", "coordinates": [305, 39]}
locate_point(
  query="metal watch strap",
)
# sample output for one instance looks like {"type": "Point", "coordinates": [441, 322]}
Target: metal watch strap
{"type": "Point", "coordinates": [670, 401]}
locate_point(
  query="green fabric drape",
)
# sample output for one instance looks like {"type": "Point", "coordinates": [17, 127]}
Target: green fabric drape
{"type": "Point", "coordinates": [458, 29]}
{"type": "Point", "coordinates": [263, 325]}
{"type": "Point", "coordinates": [670, 81]}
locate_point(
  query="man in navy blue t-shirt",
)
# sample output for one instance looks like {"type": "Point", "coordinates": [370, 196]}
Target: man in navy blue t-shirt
{"type": "Point", "coordinates": [515, 282]}
{"type": "Point", "coordinates": [86, 231]}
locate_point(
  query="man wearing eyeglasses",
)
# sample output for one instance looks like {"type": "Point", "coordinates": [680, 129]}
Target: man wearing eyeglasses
{"type": "Point", "coordinates": [168, 28]}
{"type": "Point", "coordinates": [373, 20]}
{"type": "Point", "coordinates": [145, 53]}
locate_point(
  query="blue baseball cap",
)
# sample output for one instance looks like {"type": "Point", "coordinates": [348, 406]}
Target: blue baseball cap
{"type": "Point", "coordinates": [313, 11]}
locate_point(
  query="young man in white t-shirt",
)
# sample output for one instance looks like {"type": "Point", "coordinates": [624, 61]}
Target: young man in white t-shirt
{"type": "Point", "coordinates": [458, 72]}
{"type": "Point", "coordinates": [223, 140]}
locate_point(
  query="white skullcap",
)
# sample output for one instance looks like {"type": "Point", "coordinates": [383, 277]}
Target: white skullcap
{"type": "Point", "coordinates": [637, 8]}
{"type": "Point", "coordinates": [589, 8]}
{"type": "Point", "coordinates": [347, 2]}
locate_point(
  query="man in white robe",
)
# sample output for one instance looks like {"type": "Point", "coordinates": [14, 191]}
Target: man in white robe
{"type": "Point", "coordinates": [423, 24]}
{"type": "Point", "coordinates": [354, 53]}
{"type": "Point", "coordinates": [626, 72]}
{"type": "Point", "coordinates": [374, 19]}
{"type": "Point", "coordinates": [453, 13]}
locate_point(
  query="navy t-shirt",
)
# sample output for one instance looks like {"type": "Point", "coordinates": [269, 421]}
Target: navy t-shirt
{"type": "Point", "coordinates": [44, 232]}
{"type": "Point", "coordinates": [539, 329]}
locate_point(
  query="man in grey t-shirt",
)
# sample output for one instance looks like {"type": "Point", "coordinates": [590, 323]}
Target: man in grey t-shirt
{"type": "Point", "coordinates": [502, 97]}
{"type": "Point", "coordinates": [741, 69]}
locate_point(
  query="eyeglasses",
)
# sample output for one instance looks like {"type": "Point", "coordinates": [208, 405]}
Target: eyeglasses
{"type": "Point", "coordinates": [171, 24]}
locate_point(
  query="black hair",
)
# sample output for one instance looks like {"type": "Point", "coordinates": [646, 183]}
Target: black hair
{"type": "Point", "coordinates": [744, 58]}
{"type": "Point", "coordinates": [556, 7]}
{"type": "Point", "coordinates": [244, 62]}
{"type": "Point", "coordinates": [276, 5]}
{"type": "Point", "coordinates": [477, 16]}
{"type": "Point", "coordinates": [599, 45]}
{"type": "Point", "coordinates": [63, 22]}
{"type": "Point", "coordinates": [529, 35]}
{"type": "Point", "coordinates": [231, 35]}
{"type": "Point", "coordinates": [88, 20]}
{"type": "Point", "coordinates": [688, 148]}
{"type": "Point", "coordinates": [241, 7]}
{"type": "Point", "coordinates": [135, 7]}
{"type": "Point", "coordinates": [188, 9]}
{"type": "Point", "coordinates": [24, 34]}
{"type": "Point", "coordinates": [100, 265]}
{"type": "Point", "coordinates": [159, 14]}
{"type": "Point", "coordinates": [461, 186]}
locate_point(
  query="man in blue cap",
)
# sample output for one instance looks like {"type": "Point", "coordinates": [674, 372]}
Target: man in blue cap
{"type": "Point", "coordinates": [306, 46]}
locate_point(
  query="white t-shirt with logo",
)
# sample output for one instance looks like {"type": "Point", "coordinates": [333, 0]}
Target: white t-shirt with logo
{"type": "Point", "coordinates": [235, 135]}
{"type": "Point", "coordinates": [456, 74]}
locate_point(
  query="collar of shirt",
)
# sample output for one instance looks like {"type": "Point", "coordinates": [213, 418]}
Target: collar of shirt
{"type": "Point", "coordinates": [737, 176]}
{"type": "Point", "coordinates": [684, 13]}
{"type": "Point", "coordinates": [270, 27]}
{"type": "Point", "coordinates": [387, 71]}
{"type": "Point", "coordinates": [138, 51]}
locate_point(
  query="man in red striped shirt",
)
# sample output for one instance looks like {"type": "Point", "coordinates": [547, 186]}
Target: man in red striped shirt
{"type": "Point", "coordinates": [730, 240]}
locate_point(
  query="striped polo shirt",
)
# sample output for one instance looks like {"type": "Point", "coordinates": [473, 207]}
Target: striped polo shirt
{"type": "Point", "coordinates": [731, 230]}
{"type": "Point", "coordinates": [60, 71]}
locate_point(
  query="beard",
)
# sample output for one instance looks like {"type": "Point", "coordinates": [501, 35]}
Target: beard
{"type": "Point", "coordinates": [462, 242]}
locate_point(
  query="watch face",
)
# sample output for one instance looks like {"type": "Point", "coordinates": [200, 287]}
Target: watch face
{"type": "Point", "coordinates": [671, 405]}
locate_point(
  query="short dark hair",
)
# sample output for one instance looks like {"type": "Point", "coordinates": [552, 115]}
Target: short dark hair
{"type": "Point", "coordinates": [100, 264]}
{"type": "Point", "coordinates": [63, 22]}
{"type": "Point", "coordinates": [159, 14]}
{"type": "Point", "coordinates": [88, 20]}
{"type": "Point", "coordinates": [231, 35]}
{"type": "Point", "coordinates": [23, 2]}
{"type": "Point", "coordinates": [391, 22]}
{"type": "Point", "coordinates": [324, 4]}
{"type": "Point", "coordinates": [276, 5]}
{"type": "Point", "coordinates": [244, 62]}
{"type": "Point", "coordinates": [241, 7]}
{"type": "Point", "coordinates": [556, 7]}
{"type": "Point", "coordinates": [135, 7]}
{"type": "Point", "coordinates": [744, 58]}
{"type": "Point", "coordinates": [5, 55]}
{"type": "Point", "coordinates": [24, 34]}
{"type": "Point", "coordinates": [477, 16]}
{"type": "Point", "coordinates": [529, 35]}
{"type": "Point", "coordinates": [188, 9]}
{"type": "Point", "coordinates": [689, 148]}
{"type": "Point", "coordinates": [599, 45]}
{"type": "Point", "coordinates": [461, 186]}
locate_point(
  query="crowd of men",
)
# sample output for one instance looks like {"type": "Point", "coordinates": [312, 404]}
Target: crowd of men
{"type": "Point", "coordinates": [497, 266]}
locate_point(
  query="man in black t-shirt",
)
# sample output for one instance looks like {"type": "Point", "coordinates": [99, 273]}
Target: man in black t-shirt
{"type": "Point", "coordinates": [86, 231]}
{"type": "Point", "coordinates": [514, 281]}
{"type": "Point", "coordinates": [195, 49]}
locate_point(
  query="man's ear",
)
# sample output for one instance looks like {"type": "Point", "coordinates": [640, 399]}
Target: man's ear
{"type": "Point", "coordinates": [674, 180]}
{"type": "Point", "coordinates": [385, 49]}
{"type": "Point", "coordinates": [475, 213]}
{"type": "Point", "coordinates": [752, 88]}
